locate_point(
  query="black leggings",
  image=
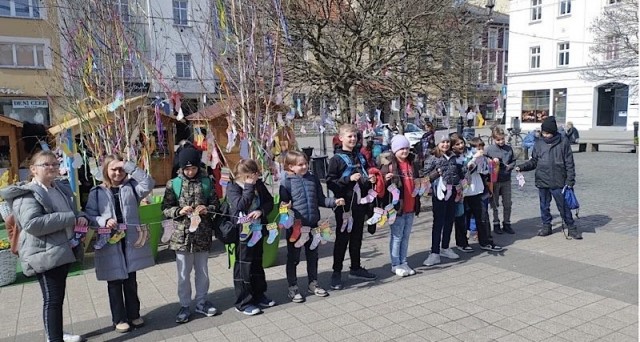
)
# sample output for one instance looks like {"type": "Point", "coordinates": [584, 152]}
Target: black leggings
{"type": "Point", "coordinates": [53, 284]}
{"type": "Point", "coordinates": [128, 308]}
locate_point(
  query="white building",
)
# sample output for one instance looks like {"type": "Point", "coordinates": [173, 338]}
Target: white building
{"type": "Point", "coordinates": [548, 48]}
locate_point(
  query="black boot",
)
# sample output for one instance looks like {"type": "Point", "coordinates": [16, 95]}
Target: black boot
{"type": "Point", "coordinates": [574, 233]}
{"type": "Point", "coordinates": [496, 228]}
{"type": "Point", "coordinates": [506, 227]}
{"type": "Point", "coordinates": [545, 230]}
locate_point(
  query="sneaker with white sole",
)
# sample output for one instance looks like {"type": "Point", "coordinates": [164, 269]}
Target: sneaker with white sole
{"type": "Point", "coordinates": [401, 271]}
{"type": "Point", "coordinates": [432, 259]}
{"type": "Point", "coordinates": [409, 269]}
{"type": "Point", "coordinates": [206, 309]}
{"type": "Point", "coordinates": [449, 253]}
{"type": "Point", "coordinates": [491, 248]}
{"type": "Point", "coordinates": [465, 249]}
{"type": "Point", "coordinates": [183, 315]}
{"type": "Point", "coordinates": [250, 310]}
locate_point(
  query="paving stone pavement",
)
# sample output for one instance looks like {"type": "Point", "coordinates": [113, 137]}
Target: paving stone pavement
{"type": "Point", "coordinates": [538, 289]}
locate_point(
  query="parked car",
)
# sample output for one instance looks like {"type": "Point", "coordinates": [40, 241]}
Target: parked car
{"type": "Point", "coordinates": [412, 132]}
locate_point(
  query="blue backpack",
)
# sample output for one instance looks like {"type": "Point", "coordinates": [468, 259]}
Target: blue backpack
{"type": "Point", "coordinates": [350, 167]}
{"type": "Point", "coordinates": [529, 140]}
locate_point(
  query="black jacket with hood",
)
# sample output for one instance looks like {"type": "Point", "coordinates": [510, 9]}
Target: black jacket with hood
{"type": "Point", "coordinates": [553, 162]}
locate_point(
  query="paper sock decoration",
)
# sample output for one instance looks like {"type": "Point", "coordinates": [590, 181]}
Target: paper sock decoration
{"type": "Point", "coordinates": [119, 101]}
{"type": "Point", "coordinates": [273, 232]}
{"type": "Point", "coordinates": [449, 192]}
{"type": "Point", "coordinates": [246, 227]}
{"type": "Point", "coordinates": [377, 215]}
{"type": "Point", "coordinates": [316, 239]}
{"type": "Point", "coordinates": [391, 214]}
{"type": "Point", "coordinates": [304, 236]}
{"type": "Point", "coordinates": [416, 187]}
{"type": "Point", "coordinates": [520, 178]}
{"type": "Point", "coordinates": [346, 217]}
{"type": "Point", "coordinates": [383, 220]}
{"type": "Point", "coordinates": [195, 222]}
{"type": "Point", "coordinates": [325, 232]}
{"type": "Point", "coordinates": [143, 236]}
{"type": "Point", "coordinates": [424, 187]}
{"type": "Point", "coordinates": [371, 195]}
{"type": "Point", "coordinates": [79, 232]}
{"type": "Point", "coordinates": [357, 193]}
{"type": "Point", "coordinates": [441, 189]}
{"type": "Point", "coordinates": [103, 237]}
{"type": "Point", "coordinates": [168, 227]}
{"type": "Point", "coordinates": [395, 193]}
{"type": "Point", "coordinates": [295, 233]}
{"type": "Point", "coordinates": [283, 213]}
{"type": "Point", "coordinates": [119, 234]}
{"type": "Point", "coordinates": [244, 148]}
{"type": "Point", "coordinates": [256, 233]}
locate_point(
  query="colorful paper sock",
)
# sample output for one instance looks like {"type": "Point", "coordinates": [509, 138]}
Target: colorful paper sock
{"type": "Point", "coordinates": [391, 213]}
{"type": "Point", "coordinates": [369, 198]}
{"type": "Point", "coordinates": [244, 149]}
{"type": "Point", "coordinates": [395, 193]}
{"type": "Point", "coordinates": [520, 179]}
{"type": "Point", "coordinates": [103, 237]}
{"type": "Point", "coordinates": [273, 232]}
{"type": "Point", "coordinates": [424, 187]}
{"type": "Point", "coordinates": [246, 227]}
{"type": "Point", "coordinates": [416, 188]}
{"type": "Point", "coordinates": [283, 218]}
{"type": "Point", "coordinates": [168, 227]}
{"type": "Point", "coordinates": [79, 233]}
{"type": "Point", "coordinates": [295, 233]}
{"type": "Point", "coordinates": [449, 192]}
{"type": "Point", "coordinates": [316, 239]}
{"type": "Point", "coordinates": [346, 217]}
{"type": "Point", "coordinates": [357, 193]}
{"type": "Point", "coordinates": [304, 236]}
{"type": "Point", "coordinates": [194, 223]}
{"type": "Point", "coordinates": [383, 220]}
{"type": "Point", "coordinates": [325, 232]}
{"type": "Point", "coordinates": [256, 233]}
{"type": "Point", "coordinates": [143, 236]}
{"type": "Point", "coordinates": [119, 234]}
{"type": "Point", "coordinates": [377, 215]}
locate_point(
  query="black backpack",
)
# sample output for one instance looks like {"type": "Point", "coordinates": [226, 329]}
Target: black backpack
{"type": "Point", "coordinates": [223, 229]}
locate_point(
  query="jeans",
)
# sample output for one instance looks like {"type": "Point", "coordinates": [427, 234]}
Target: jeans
{"type": "Point", "coordinates": [501, 189]}
{"type": "Point", "coordinates": [399, 239]}
{"type": "Point", "coordinates": [293, 259]}
{"type": "Point", "coordinates": [443, 216]}
{"type": "Point", "coordinates": [186, 262]}
{"type": "Point", "coordinates": [53, 284]}
{"type": "Point", "coordinates": [128, 308]}
{"type": "Point", "coordinates": [351, 240]}
{"type": "Point", "coordinates": [545, 206]}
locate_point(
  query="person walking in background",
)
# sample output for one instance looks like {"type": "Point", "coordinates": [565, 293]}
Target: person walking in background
{"type": "Point", "coordinates": [111, 204]}
{"type": "Point", "coordinates": [572, 133]}
{"type": "Point", "coordinates": [501, 154]}
{"type": "Point", "coordinates": [190, 201]}
{"type": "Point", "coordinates": [471, 116]}
{"type": "Point", "coordinates": [45, 210]}
{"type": "Point", "coordinates": [553, 161]}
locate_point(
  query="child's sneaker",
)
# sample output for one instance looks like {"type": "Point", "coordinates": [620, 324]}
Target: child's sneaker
{"type": "Point", "coordinates": [409, 269]}
{"type": "Point", "coordinates": [506, 227]}
{"type": "Point", "coordinates": [491, 247]}
{"type": "Point", "coordinates": [266, 302]}
{"type": "Point", "coordinates": [317, 290]}
{"type": "Point", "coordinates": [294, 294]}
{"type": "Point", "coordinates": [449, 254]}
{"type": "Point", "coordinates": [336, 281]}
{"type": "Point", "coordinates": [206, 309]}
{"type": "Point", "coordinates": [362, 273]}
{"type": "Point", "coordinates": [183, 315]}
{"type": "Point", "coordinates": [400, 271]}
{"type": "Point", "coordinates": [432, 259]}
{"type": "Point", "coordinates": [250, 310]}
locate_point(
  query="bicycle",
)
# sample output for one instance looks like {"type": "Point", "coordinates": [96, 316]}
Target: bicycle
{"type": "Point", "coordinates": [515, 139]}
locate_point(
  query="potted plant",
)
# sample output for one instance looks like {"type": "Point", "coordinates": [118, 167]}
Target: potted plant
{"type": "Point", "coordinates": [8, 263]}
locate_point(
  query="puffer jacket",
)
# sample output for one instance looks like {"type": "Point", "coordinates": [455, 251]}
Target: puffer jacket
{"type": "Point", "coordinates": [191, 195]}
{"type": "Point", "coordinates": [389, 163]}
{"type": "Point", "coordinates": [553, 163]}
{"type": "Point", "coordinates": [111, 262]}
{"type": "Point", "coordinates": [44, 238]}
{"type": "Point", "coordinates": [306, 197]}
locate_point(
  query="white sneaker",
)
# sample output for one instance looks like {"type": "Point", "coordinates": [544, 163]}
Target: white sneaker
{"type": "Point", "coordinates": [71, 338]}
{"type": "Point", "coordinates": [409, 269]}
{"type": "Point", "coordinates": [401, 272]}
{"type": "Point", "coordinates": [433, 259]}
{"type": "Point", "coordinates": [393, 269]}
{"type": "Point", "coordinates": [449, 254]}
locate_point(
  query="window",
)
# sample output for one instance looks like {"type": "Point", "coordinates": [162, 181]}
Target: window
{"type": "Point", "coordinates": [183, 65]}
{"type": "Point", "coordinates": [613, 46]}
{"type": "Point", "coordinates": [20, 8]}
{"type": "Point", "coordinates": [492, 71]}
{"type": "Point", "coordinates": [534, 58]}
{"type": "Point", "coordinates": [492, 39]}
{"type": "Point", "coordinates": [14, 55]}
{"type": "Point", "coordinates": [535, 105]}
{"type": "Point", "coordinates": [565, 7]}
{"type": "Point", "coordinates": [563, 54]}
{"type": "Point", "coordinates": [560, 104]}
{"type": "Point", "coordinates": [536, 10]}
{"type": "Point", "coordinates": [505, 40]}
{"type": "Point", "coordinates": [180, 13]}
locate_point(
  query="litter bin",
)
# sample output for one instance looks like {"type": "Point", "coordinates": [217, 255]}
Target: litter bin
{"type": "Point", "coordinates": [269, 251]}
{"type": "Point", "coordinates": [515, 125]}
{"type": "Point", "coordinates": [308, 151]}
{"type": "Point", "coordinates": [151, 214]}
{"type": "Point", "coordinates": [319, 167]}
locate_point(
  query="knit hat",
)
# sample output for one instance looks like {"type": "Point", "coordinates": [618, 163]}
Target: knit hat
{"type": "Point", "coordinates": [399, 142]}
{"type": "Point", "coordinates": [188, 157]}
{"type": "Point", "coordinates": [549, 125]}
{"type": "Point", "coordinates": [440, 136]}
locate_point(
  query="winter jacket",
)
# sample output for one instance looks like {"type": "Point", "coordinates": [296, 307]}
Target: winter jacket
{"type": "Point", "coordinates": [191, 195]}
{"type": "Point", "coordinates": [389, 163]}
{"type": "Point", "coordinates": [240, 200]}
{"type": "Point", "coordinates": [507, 159]}
{"type": "Point", "coordinates": [306, 197]}
{"type": "Point", "coordinates": [342, 187]}
{"type": "Point", "coordinates": [44, 238]}
{"type": "Point", "coordinates": [572, 135]}
{"type": "Point", "coordinates": [553, 163]}
{"type": "Point", "coordinates": [111, 262]}
{"type": "Point", "coordinates": [447, 166]}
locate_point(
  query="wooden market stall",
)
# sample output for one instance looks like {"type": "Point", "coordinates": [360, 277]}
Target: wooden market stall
{"type": "Point", "coordinates": [10, 146]}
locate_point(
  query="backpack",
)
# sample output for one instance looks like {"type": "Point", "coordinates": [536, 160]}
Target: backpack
{"type": "Point", "coordinates": [349, 170]}
{"type": "Point", "coordinates": [205, 182]}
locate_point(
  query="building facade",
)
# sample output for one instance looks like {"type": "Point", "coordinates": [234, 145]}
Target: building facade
{"type": "Point", "coordinates": [549, 49]}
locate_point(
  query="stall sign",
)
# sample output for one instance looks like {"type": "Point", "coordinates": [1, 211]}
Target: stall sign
{"type": "Point", "coordinates": [30, 104]}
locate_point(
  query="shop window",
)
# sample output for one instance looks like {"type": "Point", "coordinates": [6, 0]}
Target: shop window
{"type": "Point", "coordinates": [535, 105]}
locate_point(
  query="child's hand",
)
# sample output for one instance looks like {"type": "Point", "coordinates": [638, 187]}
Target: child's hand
{"type": "Point", "coordinates": [82, 221]}
{"type": "Point", "coordinates": [388, 176]}
{"type": "Point", "coordinates": [186, 210]}
{"type": "Point", "coordinates": [201, 209]}
{"type": "Point", "coordinates": [517, 168]}
{"type": "Point", "coordinates": [286, 204]}
{"type": "Point", "coordinates": [252, 178]}
{"type": "Point", "coordinates": [479, 153]}
{"type": "Point", "coordinates": [496, 160]}
{"type": "Point", "coordinates": [339, 202]}
{"type": "Point", "coordinates": [355, 177]}
{"type": "Point", "coordinates": [254, 215]}
{"type": "Point", "coordinates": [111, 223]}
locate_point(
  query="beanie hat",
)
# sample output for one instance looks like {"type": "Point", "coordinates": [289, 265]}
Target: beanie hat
{"type": "Point", "coordinates": [399, 142]}
{"type": "Point", "coordinates": [549, 125]}
{"type": "Point", "coordinates": [188, 157]}
{"type": "Point", "coordinates": [440, 136]}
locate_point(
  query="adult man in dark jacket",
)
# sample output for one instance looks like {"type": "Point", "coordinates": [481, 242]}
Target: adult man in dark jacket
{"type": "Point", "coordinates": [553, 161]}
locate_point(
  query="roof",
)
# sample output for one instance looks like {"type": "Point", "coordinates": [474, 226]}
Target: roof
{"type": "Point", "coordinates": [11, 121]}
{"type": "Point", "coordinates": [131, 102]}
{"type": "Point", "coordinates": [216, 110]}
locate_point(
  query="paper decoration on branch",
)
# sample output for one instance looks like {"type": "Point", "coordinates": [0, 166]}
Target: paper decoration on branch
{"type": "Point", "coordinates": [117, 103]}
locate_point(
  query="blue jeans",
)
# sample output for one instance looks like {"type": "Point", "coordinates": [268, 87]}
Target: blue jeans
{"type": "Point", "coordinates": [545, 206]}
{"type": "Point", "coordinates": [399, 239]}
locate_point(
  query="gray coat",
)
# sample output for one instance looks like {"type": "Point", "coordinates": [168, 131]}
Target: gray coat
{"type": "Point", "coordinates": [44, 238]}
{"type": "Point", "coordinates": [110, 261]}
